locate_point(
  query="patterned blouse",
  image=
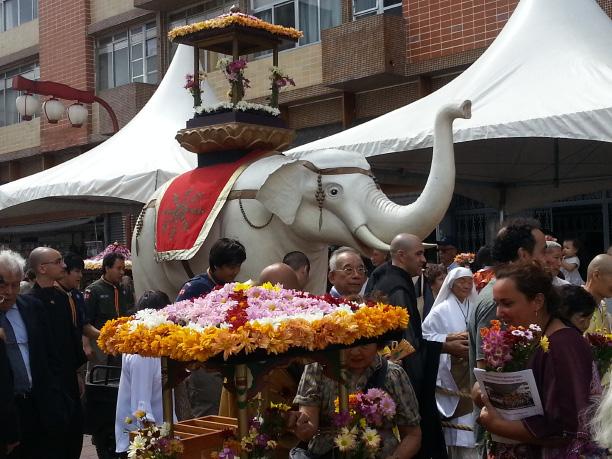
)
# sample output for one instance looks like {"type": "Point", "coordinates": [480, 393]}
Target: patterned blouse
{"type": "Point", "coordinates": [316, 389]}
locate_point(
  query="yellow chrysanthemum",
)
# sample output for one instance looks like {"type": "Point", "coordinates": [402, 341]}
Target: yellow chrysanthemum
{"type": "Point", "coordinates": [235, 19]}
{"type": "Point", "coordinates": [544, 343]}
{"type": "Point", "coordinates": [188, 344]}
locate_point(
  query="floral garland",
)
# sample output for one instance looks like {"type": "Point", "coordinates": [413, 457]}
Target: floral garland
{"type": "Point", "coordinates": [242, 106]}
{"type": "Point", "coordinates": [241, 318]}
{"type": "Point", "coordinates": [241, 19]}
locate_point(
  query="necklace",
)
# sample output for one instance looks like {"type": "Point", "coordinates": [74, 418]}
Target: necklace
{"type": "Point", "coordinates": [467, 311]}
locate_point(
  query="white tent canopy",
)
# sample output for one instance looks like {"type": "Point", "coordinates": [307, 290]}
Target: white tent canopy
{"type": "Point", "coordinates": [127, 168]}
{"type": "Point", "coordinates": [547, 76]}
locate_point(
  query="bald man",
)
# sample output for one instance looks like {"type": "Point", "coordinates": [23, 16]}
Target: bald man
{"type": "Point", "coordinates": [599, 284]}
{"type": "Point", "coordinates": [62, 317]}
{"type": "Point", "coordinates": [280, 273]}
{"type": "Point", "coordinates": [394, 280]}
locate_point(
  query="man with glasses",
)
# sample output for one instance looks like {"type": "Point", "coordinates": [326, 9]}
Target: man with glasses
{"type": "Point", "coordinates": [63, 319]}
{"type": "Point", "coordinates": [34, 365]}
{"type": "Point", "coordinates": [347, 273]}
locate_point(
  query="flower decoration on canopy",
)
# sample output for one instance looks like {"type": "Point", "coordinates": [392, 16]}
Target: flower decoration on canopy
{"type": "Point", "coordinates": [234, 73]}
{"type": "Point", "coordinates": [241, 319]}
{"type": "Point", "coordinates": [239, 19]}
{"type": "Point", "coordinates": [96, 261]}
{"type": "Point", "coordinates": [191, 85]}
{"type": "Point", "coordinates": [278, 80]}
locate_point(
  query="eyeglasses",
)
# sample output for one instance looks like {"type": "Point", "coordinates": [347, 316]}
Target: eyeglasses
{"type": "Point", "coordinates": [348, 270]}
{"type": "Point", "coordinates": [59, 261]}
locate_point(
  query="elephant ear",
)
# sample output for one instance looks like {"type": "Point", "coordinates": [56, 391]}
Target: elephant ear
{"type": "Point", "coordinates": [281, 193]}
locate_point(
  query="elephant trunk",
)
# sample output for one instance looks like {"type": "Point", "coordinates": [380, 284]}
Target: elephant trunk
{"type": "Point", "coordinates": [422, 216]}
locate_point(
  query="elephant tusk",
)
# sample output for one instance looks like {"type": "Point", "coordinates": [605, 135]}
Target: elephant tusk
{"type": "Point", "coordinates": [364, 234]}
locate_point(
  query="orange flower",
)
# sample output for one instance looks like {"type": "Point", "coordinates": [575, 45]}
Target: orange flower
{"type": "Point", "coordinates": [186, 344]}
{"type": "Point", "coordinates": [240, 19]}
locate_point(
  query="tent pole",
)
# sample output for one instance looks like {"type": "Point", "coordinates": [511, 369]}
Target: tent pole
{"type": "Point", "coordinates": [556, 159]}
{"type": "Point", "coordinates": [502, 204]}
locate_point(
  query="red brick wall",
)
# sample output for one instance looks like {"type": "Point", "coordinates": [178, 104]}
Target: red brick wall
{"type": "Point", "coordinates": [126, 101]}
{"type": "Point", "coordinates": [439, 28]}
{"type": "Point", "coordinates": [66, 56]}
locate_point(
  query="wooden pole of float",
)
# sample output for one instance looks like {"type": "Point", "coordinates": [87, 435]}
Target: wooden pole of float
{"type": "Point", "coordinates": [343, 391]}
{"type": "Point", "coordinates": [167, 383]}
{"type": "Point", "coordinates": [197, 96]}
{"type": "Point", "coordinates": [241, 399]}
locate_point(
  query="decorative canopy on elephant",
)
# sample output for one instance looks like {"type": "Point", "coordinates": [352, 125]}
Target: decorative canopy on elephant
{"type": "Point", "coordinates": [240, 320]}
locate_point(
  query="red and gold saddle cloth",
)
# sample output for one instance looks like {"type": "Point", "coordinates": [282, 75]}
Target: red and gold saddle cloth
{"type": "Point", "coordinates": [189, 204]}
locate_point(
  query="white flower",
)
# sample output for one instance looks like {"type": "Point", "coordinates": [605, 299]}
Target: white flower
{"type": "Point", "coordinates": [137, 443]}
{"type": "Point", "coordinates": [371, 438]}
{"type": "Point", "coordinates": [243, 106]}
{"type": "Point", "coordinates": [150, 318]}
{"type": "Point", "coordinates": [528, 335]}
{"type": "Point", "coordinates": [535, 328]}
{"type": "Point", "coordinates": [518, 333]}
{"type": "Point", "coordinates": [164, 430]}
{"type": "Point", "coordinates": [345, 440]}
{"type": "Point", "coordinates": [196, 327]}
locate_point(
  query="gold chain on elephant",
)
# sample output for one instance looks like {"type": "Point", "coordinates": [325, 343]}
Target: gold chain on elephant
{"type": "Point", "coordinates": [320, 197]}
{"type": "Point", "coordinates": [246, 219]}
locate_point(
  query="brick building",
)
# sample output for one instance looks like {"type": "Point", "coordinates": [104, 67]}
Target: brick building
{"type": "Point", "coordinates": [358, 59]}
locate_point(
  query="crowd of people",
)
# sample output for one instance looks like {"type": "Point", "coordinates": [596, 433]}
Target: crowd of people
{"type": "Point", "coordinates": [48, 332]}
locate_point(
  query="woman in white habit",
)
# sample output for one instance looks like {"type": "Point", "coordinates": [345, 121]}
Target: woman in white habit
{"type": "Point", "coordinates": [449, 316]}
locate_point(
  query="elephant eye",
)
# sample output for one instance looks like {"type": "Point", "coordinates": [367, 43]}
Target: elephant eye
{"type": "Point", "coordinates": [333, 191]}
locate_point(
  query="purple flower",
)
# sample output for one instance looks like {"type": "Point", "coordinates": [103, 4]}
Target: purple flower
{"type": "Point", "coordinates": [341, 419]}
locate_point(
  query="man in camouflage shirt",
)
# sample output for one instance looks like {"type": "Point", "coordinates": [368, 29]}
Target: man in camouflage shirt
{"type": "Point", "coordinates": [106, 299]}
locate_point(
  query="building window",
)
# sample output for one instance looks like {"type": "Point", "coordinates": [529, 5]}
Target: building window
{"type": "Point", "coordinates": [17, 12]}
{"type": "Point", "coordinates": [369, 7]}
{"type": "Point", "coordinates": [129, 56]}
{"type": "Point", "coordinates": [309, 16]}
{"type": "Point", "coordinates": [208, 10]}
{"type": "Point", "coordinates": [8, 95]}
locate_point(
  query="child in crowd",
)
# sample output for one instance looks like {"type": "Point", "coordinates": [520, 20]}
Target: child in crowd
{"type": "Point", "coordinates": [571, 263]}
{"type": "Point", "coordinates": [140, 384]}
{"type": "Point", "coordinates": [577, 306]}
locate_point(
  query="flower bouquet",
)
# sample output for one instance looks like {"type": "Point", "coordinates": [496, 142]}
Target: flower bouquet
{"type": "Point", "coordinates": [358, 436]}
{"type": "Point", "coordinates": [509, 349]}
{"type": "Point", "coordinates": [151, 441]}
{"type": "Point", "coordinates": [278, 80]}
{"type": "Point", "coordinates": [240, 319]}
{"type": "Point", "coordinates": [510, 387]}
{"type": "Point", "coordinates": [464, 259]}
{"type": "Point", "coordinates": [262, 438]}
{"type": "Point", "coordinates": [601, 345]}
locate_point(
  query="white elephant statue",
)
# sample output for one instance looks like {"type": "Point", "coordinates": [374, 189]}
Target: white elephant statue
{"type": "Point", "coordinates": [308, 204]}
